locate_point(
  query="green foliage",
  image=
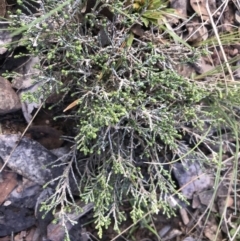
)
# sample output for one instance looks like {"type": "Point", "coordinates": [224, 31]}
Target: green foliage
{"type": "Point", "coordinates": [130, 105]}
{"type": "Point", "coordinates": [153, 11]}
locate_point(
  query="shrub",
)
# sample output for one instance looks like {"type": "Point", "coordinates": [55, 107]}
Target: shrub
{"type": "Point", "coordinates": [131, 106]}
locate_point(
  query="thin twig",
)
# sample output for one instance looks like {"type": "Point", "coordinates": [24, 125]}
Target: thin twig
{"type": "Point", "coordinates": [220, 45]}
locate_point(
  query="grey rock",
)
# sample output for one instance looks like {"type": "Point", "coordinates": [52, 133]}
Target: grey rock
{"type": "Point", "coordinates": [191, 178]}
{"type": "Point", "coordinates": [26, 74]}
{"type": "Point", "coordinates": [15, 220]}
{"type": "Point", "coordinates": [5, 37]}
{"type": "Point", "coordinates": [30, 159]}
{"type": "Point", "coordinates": [27, 198]}
{"type": "Point", "coordinates": [190, 173]}
{"type": "Point", "coordinates": [190, 239]}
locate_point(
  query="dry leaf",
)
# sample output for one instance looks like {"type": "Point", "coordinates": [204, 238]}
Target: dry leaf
{"type": "Point", "coordinates": [184, 216]}
{"type": "Point", "coordinates": [237, 16]}
{"type": "Point", "coordinates": [137, 30]}
{"type": "Point", "coordinates": [172, 234]}
{"type": "Point", "coordinates": [26, 236]}
{"type": "Point", "coordinates": [196, 32]}
{"type": "Point", "coordinates": [180, 6]}
{"type": "Point", "coordinates": [200, 7]}
{"type": "Point", "coordinates": [2, 8]}
{"type": "Point", "coordinates": [211, 230]}
{"type": "Point", "coordinates": [74, 103]}
{"type": "Point", "coordinates": [9, 100]}
{"type": "Point", "coordinates": [195, 201]}
{"type": "Point", "coordinates": [7, 185]}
